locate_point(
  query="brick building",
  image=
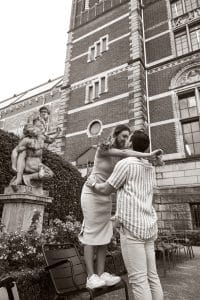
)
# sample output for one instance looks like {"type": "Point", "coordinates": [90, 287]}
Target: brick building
{"type": "Point", "coordinates": [136, 63]}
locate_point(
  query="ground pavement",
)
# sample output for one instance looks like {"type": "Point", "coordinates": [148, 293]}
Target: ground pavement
{"type": "Point", "coordinates": [180, 283]}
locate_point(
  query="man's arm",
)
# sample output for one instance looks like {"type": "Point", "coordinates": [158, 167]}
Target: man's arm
{"type": "Point", "coordinates": [115, 181]}
{"type": "Point", "coordinates": [103, 188]}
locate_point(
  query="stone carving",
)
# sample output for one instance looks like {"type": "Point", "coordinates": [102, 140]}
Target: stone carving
{"type": "Point", "coordinates": [185, 18]}
{"type": "Point", "coordinates": [191, 76]}
{"type": "Point", "coordinates": [27, 155]}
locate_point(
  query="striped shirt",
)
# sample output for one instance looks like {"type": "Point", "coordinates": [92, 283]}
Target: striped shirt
{"type": "Point", "coordinates": [134, 180]}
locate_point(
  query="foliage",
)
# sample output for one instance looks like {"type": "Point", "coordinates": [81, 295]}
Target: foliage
{"type": "Point", "coordinates": [65, 187]}
{"type": "Point", "coordinates": [21, 249]}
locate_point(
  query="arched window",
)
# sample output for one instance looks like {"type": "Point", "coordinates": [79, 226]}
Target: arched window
{"type": "Point", "coordinates": [186, 85]}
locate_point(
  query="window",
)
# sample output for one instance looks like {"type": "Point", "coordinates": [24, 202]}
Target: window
{"type": "Point", "coordinates": [94, 90]}
{"type": "Point", "coordinates": [195, 212]}
{"type": "Point", "coordinates": [180, 7]}
{"type": "Point", "coordinates": [195, 37]}
{"type": "Point", "coordinates": [189, 115]}
{"type": "Point", "coordinates": [190, 5]}
{"type": "Point", "coordinates": [98, 48]}
{"type": "Point", "coordinates": [94, 128]}
{"type": "Point", "coordinates": [181, 43]}
{"type": "Point", "coordinates": [177, 8]}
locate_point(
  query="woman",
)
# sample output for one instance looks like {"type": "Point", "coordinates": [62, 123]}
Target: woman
{"type": "Point", "coordinates": [97, 226]}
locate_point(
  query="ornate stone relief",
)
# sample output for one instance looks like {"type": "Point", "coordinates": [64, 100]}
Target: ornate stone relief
{"type": "Point", "coordinates": [188, 75]}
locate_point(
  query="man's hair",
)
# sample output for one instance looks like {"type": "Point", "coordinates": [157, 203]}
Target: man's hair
{"type": "Point", "coordinates": [120, 128]}
{"type": "Point", "coordinates": [140, 141]}
{"type": "Point", "coordinates": [44, 108]}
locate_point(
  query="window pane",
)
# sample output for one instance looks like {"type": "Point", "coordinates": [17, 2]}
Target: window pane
{"type": "Point", "coordinates": [195, 126]}
{"type": "Point", "coordinates": [190, 4]}
{"type": "Point", "coordinates": [103, 85]}
{"type": "Point", "coordinates": [191, 135]}
{"type": "Point", "coordinates": [188, 138]}
{"type": "Point", "coordinates": [96, 88]}
{"type": "Point", "coordinates": [104, 44]}
{"type": "Point", "coordinates": [181, 43]}
{"type": "Point", "coordinates": [92, 53]}
{"type": "Point", "coordinates": [188, 105]}
{"type": "Point", "coordinates": [195, 37]}
{"type": "Point", "coordinates": [187, 128]}
{"type": "Point", "coordinates": [197, 148]}
{"type": "Point", "coordinates": [193, 112]}
{"type": "Point", "coordinates": [98, 49]}
{"type": "Point", "coordinates": [196, 137]}
{"type": "Point", "coordinates": [177, 8]}
{"type": "Point", "coordinates": [90, 96]}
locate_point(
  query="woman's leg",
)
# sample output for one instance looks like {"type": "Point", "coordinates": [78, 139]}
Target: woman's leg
{"type": "Point", "coordinates": [89, 259]}
{"type": "Point", "coordinates": [100, 258]}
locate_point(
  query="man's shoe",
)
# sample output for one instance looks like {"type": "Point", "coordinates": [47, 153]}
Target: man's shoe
{"type": "Point", "coordinates": [110, 279]}
{"type": "Point", "coordinates": [94, 282]}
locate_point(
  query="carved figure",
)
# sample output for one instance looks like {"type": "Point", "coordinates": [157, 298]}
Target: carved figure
{"type": "Point", "coordinates": [27, 155]}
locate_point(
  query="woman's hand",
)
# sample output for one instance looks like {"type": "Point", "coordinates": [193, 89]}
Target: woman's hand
{"type": "Point", "coordinates": [91, 181]}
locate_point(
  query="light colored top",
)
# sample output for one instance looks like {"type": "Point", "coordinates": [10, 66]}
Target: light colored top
{"type": "Point", "coordinates": [134, 180]}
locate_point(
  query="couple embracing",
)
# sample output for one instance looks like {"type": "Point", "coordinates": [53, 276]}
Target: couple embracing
{"type": "Point", "coordinates": [131, 175]}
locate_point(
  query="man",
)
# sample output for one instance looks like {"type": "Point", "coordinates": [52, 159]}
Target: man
{"type": "Point", "coordinates": [134, 178]}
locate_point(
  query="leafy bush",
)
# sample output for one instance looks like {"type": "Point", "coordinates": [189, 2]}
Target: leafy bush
{"type": "Point", "coordinates": [65, 187]}
{"type": "Point", "coordinates": [20, 250]}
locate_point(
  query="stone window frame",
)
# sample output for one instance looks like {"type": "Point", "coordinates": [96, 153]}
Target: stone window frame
{"type": "Point", "coordinates": [187, 30]}
{"type": "Point", "coordinates": [90, 125]}
{"type": "Point", "coordinates": [98, 48]}
{"type": "Point", "coordinates": [91, 88]}
{"type": "Point", "coordinates": [182, 84]}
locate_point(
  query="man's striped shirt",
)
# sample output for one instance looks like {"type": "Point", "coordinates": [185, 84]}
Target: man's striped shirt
{"type": "Point", "coordinates": [134, 180]}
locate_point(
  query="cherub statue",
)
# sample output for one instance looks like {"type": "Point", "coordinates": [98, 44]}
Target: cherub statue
{"type": "Point", "coordinates": [27, 155]}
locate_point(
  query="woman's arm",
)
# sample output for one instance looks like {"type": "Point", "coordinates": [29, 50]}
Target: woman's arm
{"type": "Point", "coordinates": [123, 153]}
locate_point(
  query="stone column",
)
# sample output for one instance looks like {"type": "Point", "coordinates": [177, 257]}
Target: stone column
{"type": "Point", "coordinates": [20, 206]}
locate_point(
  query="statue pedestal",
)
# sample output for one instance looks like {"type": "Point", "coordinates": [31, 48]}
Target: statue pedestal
{"type": "Point", "coordinates": [20, 206]}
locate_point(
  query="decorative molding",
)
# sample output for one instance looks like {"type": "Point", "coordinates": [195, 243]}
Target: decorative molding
{"type": "Point", "coordinates": [176, 62]}
{"type": "Point", "coordinates": [188, 75]}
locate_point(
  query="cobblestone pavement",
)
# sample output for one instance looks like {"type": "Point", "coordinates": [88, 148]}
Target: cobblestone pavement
{"type": "Point", "coordinates": [180, 283]}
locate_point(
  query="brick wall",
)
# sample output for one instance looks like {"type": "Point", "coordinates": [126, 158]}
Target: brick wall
{"type": "Point", "coordinates": [155, 49]}
{"type": "Point", "coordinates": [108, 113]}
{"type": "Point", "coordinates": [161, 109]}
{"type": "Point", "coordinates": [101, 8]}
{"type": "Point", "coordinates": [117, 84]}
{"type": "Point", "coordinates": [112, 58]}
{"type": "Point", "coordinates": [114, 31]}
{"type": "Point", "coordinates": [159, 79]}
{"type": "Point", "coordinates": [164, 136]}
{"type": "Point", "coordinates": [150, 17]}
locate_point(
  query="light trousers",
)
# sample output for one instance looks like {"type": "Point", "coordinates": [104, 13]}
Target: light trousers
{"type": "Point", "coordinates": [139, 259]}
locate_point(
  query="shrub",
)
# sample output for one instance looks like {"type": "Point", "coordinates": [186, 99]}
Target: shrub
{"type": "Point", "coordinates": [20, 250]}
{"type": "Point", "coordinates": [64, 187]}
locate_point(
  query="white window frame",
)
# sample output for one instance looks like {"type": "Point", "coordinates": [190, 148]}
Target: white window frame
{"type": "Point", "coordinates": [94, 46]}
{"type": "Point", "coordinates": [92, 84]}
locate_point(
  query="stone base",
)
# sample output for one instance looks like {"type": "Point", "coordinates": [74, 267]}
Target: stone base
{"type": "Point", "coordinates": [19, 209]}
{"type": "Point", "coordinates": [24, 189]}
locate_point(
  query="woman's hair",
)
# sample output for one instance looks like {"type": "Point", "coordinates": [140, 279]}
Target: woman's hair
{"type": "Point", "coordinates": [140, 141]}
{"type": "Point", "coordinates": [120, 128]}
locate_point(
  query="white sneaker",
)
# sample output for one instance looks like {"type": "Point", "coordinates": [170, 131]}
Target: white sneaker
{"type": "Point", "coordinates": [94, 282]}
{"type": "Point", "coordinates": [110, 279]}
